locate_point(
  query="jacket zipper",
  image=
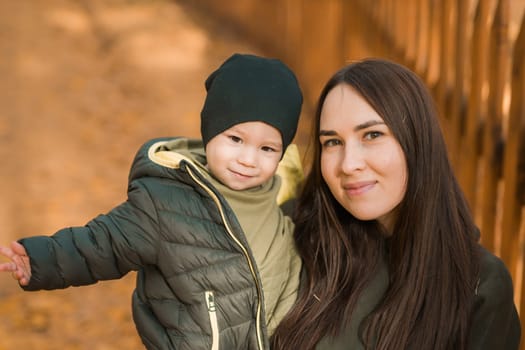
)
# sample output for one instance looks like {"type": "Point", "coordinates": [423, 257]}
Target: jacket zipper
{"type": "Point", "coordinates": [243, 248]}
{"type": "Point", "coordinates": [212, 312]}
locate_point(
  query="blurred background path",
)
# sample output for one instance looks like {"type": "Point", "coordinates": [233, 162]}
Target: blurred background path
{"type": "Point", "coordinates": [83, 84]}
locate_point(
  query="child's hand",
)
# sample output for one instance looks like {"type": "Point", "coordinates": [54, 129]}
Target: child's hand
{"type": "Point", "coordinates": [19, 266]}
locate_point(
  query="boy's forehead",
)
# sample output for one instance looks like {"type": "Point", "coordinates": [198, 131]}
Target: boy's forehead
{"type": "Point", "coordinates": [258, 129]}
{"type": "Point", "coordinates": [251, 88]}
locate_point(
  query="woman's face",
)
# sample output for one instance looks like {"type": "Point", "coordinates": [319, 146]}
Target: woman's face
{"type": "Point", "coordinates": [361, 160]}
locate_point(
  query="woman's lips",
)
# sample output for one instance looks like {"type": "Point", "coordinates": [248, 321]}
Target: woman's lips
{"type": "Point", "coordinates": [358, 188]}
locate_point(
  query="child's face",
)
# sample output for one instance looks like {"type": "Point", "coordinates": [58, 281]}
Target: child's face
{"type": "Point", "coordinates": [245, 155]}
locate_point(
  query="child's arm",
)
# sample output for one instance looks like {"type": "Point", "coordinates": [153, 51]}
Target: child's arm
{"type": "Point", "coordinates": [19, 265]}
{"type": "Point", "coordinates": [107, 247]}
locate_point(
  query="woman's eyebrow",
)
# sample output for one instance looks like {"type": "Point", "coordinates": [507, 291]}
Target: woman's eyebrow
{"type": "Point", "coordinates": [327, 133]}
{"type": "Point", "coordinates": [356, 128]}
{"type": "Point", "coordinates": [368, 124]}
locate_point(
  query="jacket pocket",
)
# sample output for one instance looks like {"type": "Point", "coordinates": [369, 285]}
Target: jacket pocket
{"type": "Point", "coordinates": [212, 313]}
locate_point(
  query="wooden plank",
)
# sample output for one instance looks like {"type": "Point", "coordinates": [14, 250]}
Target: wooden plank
{"type": "Point", "coordinates": [322, 44]}
{"type": "Point", "coordinates": [383, 23]}
{"type": "Point", "coordinates": [468, 165]}
{"type": "Point", "coordinates": [514, 162]}
{"type": "Point", "coordinates": [499, 64]}
{"type": "Point", "coordinates": [458, 104]}
{"type": "Point", "coordinates": [500, 53]}
{"type": "Point", "coordinates": [446, 68]}
{"type": "Point", "coordinates": [292, 48]}
{"type": "Point", "coordinates": [355, 46]}
{"type": "Point", "coordinates": [423, 25]}
{"type": "Point", "coordinates": [410, 34]}
{"type": "Point", "coordinates": [434, 47]}
{"type": "Point", "coordinates": [398, 23]}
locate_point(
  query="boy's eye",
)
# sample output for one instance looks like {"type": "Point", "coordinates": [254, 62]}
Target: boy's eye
{"type": "Point", "coordinates": [268, 149]}
{"type": "Point", "coordinates": [235, 139]}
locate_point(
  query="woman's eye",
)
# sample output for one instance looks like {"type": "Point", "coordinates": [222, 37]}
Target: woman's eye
{"type": "Point", "coordinates": [370, 135]}
{"type": "Point", "coordinates": [330, 143]}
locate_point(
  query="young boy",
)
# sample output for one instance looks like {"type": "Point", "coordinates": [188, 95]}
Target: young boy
{"type": "Point", "coordinates": [217, 268]}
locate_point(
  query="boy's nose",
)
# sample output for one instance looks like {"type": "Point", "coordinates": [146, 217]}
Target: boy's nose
{"type": "Point", "coordinates": [247, 157]}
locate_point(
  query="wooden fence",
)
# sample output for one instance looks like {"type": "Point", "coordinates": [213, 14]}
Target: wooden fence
{"type": "Point", "coordinates": [470, 53]}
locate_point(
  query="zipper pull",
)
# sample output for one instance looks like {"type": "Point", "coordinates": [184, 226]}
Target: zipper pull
{"type": "Point", "coordinates": [210, 301]}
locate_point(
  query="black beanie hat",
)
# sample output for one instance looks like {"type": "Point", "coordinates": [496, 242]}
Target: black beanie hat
{"type": "Point", "coordinates": [251, 88]}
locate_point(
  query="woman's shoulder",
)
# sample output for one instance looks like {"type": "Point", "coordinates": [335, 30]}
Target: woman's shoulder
{"type": "Point", "coordinates": [495, 322]}
{"type": "Point", "coordinates": [495, 281]}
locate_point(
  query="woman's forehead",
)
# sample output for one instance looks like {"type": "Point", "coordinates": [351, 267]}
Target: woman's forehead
{"type": "Point", "coordinates": [345, 107]}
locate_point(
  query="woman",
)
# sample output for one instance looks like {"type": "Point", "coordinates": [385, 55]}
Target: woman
{"type": "Point", "coordinates": [390, 247]}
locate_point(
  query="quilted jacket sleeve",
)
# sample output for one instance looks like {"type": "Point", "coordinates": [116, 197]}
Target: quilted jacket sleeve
{"type": "Point", "coordinates": [495, 323]}
{"type": "Point", "coordinates": [107, 247]}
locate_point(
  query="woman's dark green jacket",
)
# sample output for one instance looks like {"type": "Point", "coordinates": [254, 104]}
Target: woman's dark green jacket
{"type": "Point", "coordinates": [495, 323]}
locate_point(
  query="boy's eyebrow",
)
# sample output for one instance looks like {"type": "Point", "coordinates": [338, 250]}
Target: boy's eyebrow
{"type": "Point", "coordinates": [356, 128]}
{"type": "Point", "coordinates": [274, 144]}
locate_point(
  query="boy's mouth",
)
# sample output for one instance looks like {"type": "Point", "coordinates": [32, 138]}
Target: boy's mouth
{"type": "Point", "coordinates": [241, 175]}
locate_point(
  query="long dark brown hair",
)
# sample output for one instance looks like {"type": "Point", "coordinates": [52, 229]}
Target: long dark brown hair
{"type": "Point", "coordinates": [432, 255]}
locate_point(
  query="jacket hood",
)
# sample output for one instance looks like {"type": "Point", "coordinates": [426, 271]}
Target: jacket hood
{"type": "Point", "coordinates": [164, 157]}
{"type": "Point", "coordinates": [161, 156]}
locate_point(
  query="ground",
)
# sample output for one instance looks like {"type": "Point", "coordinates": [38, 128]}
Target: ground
{"type": "Point", "coordinates": [84, 83]}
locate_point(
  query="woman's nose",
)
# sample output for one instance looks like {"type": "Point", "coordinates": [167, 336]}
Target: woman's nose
{"type": "Point", "coordinates": [353, 159]}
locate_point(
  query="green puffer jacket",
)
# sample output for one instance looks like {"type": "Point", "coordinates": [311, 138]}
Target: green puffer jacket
{"type": "Point", "coordinates": [197, 279]}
